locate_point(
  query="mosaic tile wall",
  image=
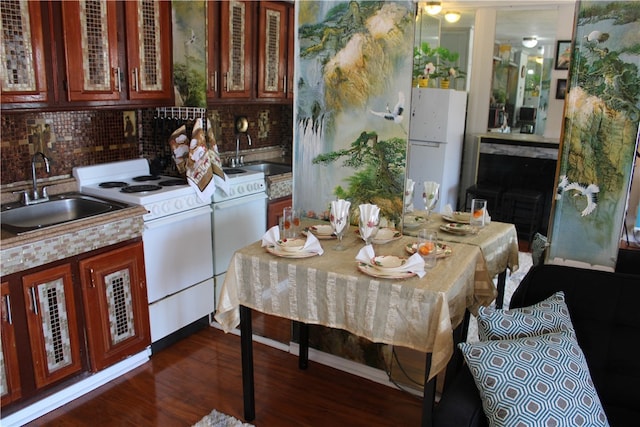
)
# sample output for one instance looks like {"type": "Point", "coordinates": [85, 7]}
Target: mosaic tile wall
{"type": "Point", "coordinates": [79, 138]}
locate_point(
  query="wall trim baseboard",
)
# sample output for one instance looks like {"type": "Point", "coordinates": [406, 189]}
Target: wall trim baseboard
{"type": "Point", "coordinates": [66, 395]}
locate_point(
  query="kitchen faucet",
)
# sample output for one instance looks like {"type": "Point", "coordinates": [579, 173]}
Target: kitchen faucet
{"type": "Point", "coordinates": [36, 196]}
{"type": "Point", "coordinates": [238, 160]}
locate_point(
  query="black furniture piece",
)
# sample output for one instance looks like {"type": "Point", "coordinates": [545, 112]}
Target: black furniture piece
{"type": "Point", "coordinates": [604, 312]}
{"type": "Point", "coordinates": [523, 208]}
{"type": "Point", "coordinates": [491, 193]}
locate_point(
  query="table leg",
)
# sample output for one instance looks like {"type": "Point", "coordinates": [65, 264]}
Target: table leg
{"type": "Point", "coordinates": [459, 335]}
{"type": "Point", "coordinates": [303, 356]}
{"type": "Point", "coordinates": [246, 345]}
{"type": "Point", "coordinates": [429, 395]}
{"type": "Point", "coordinates": [502, 281]}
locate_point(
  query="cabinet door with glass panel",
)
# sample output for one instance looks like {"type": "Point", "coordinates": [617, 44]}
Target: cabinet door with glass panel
{"type": "Point", "coordinates": [22, 68]}
{"type": "Point", "coordinates": [114, 293]}
{"type": "Point", "coordinates": [101, 69]}
{"type": "Point", "coordinates": [236, 24]}
{"type": "Point", "coordinates": [272, 50]}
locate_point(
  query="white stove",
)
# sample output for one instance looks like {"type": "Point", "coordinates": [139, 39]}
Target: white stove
{"type": "Point", "coordinates": [161, 195]}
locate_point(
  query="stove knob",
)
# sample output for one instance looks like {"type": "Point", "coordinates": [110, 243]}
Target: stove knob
{"type": "Point", "coordinates": [166, 208]}
{"type": "Point", "coordinates": [241, 189]}
{"type": "Point", "coordinates": [179, 204]}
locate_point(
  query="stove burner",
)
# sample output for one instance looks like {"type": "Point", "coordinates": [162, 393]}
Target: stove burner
{"type": "Point", "coordinates": [112, 184]}
{"type": "Point", "coordinates": [172, 182]}
{"type": "Point", "coordinates": [146, 178]}
{"type": "Point", "coordinates": [140, 188]}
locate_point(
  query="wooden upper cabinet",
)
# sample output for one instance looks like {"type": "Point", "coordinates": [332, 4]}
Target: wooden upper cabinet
{"type": "Point", "coordinates": [272, 49]}
{"type": "Point", "coordinates": [22, 68]}
{"type": "Point", "coordinates": [291, 52]}
{"type": "Point", "coordinates": [213, 50]}
{"type": "Point", "coordinates": [149, 49]}
{"type": "Point", "coordinates": [91, 49]}
{"type": "Point", "coordinates": [102, 68]}
{"type": "Point", "coordinates": [236, 24]}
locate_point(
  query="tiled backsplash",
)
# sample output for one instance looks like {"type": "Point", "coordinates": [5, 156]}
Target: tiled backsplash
{"type": "Point", "coordinates": [78, 138]}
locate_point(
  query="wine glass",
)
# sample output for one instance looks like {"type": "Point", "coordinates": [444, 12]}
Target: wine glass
{"type": "Point", "coordinates": [339, 217]}
{"type": "Point", "coordinates": [369, 221]}
{"type": "Point", "coordinates": [408, 196]}
{"type": "Point", "coordinates": [430, 196]}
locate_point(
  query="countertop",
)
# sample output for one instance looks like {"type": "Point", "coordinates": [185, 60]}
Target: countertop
{"type": "Point", "coordinates": [519, 139]}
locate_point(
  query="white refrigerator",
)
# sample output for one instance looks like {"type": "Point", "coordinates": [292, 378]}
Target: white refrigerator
{"type": "Point", "coordinates": [436, 134]}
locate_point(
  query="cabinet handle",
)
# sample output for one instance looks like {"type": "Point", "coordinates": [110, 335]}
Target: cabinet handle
{"type": "Point", "coordinates": [116, 71]}
{"type": "Point", "coordinates": [214, 81]}
{"type": "Point", "coordinates": [135, 79]}
{"type": "Point", "coordinates": [226, 81]}
{"type": "Point", "coordinates": [7, 302]}
{"type": "Point", "coordinates": [284, 83]}
{"type": "Point", "coordinates": [93, 284]}
{"type": "Point", "coordinates": [34, 303]}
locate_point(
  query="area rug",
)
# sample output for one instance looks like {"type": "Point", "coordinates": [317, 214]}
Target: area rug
{"type": "Point", "coordinates": [218, 419]}
{"type": "Point", "coordinates": [513, 280]}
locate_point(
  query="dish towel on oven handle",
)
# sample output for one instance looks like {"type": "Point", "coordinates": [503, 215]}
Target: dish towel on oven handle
{"type": "Point", "coordinates": [201, 165]}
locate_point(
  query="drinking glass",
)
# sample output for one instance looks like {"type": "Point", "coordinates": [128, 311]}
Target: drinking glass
{"type": "Point", "coordinates": [339, 217]}
{"type": "Point", "coordinates": [290, 223]}
{"type": "Point", "coordinates": [478, 213]}
{"type": "Point", "coordinates": [368, 221]}
{"type": "Point", "coordinates": [428, 247]}
{"type": "Point", "coordinates": [408, 196]}
{"type": "Point", "coordinates": [430, 196]}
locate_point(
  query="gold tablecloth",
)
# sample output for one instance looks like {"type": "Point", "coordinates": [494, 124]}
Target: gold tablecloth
{"type": "Point", "coordinates": [498, 241]}
{"type": "Point", "coordinates": [329, 290]}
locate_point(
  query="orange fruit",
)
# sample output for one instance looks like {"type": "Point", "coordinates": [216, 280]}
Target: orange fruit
{"type": "Point", "coordinates": [426, 248]}
{"type": "Point", "coordinates": [296, 221]}
{"type": "Point", "coordinates": [287, 225]}
{"type": "Point", "coordinates": [477, 213]}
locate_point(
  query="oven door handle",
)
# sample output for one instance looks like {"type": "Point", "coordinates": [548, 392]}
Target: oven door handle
{"type": "Point", "coordinates": [203, 210]}
{"type": "Point", "coordinates": [239, 201]}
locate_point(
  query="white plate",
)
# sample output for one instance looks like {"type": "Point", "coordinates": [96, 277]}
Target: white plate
{"type": "Point", "coordinates": [443, 250]}
{"type": "Point", "coordinates": [374, 272]}
{"type": "Point", "coordinates": [457, 228]}
{"type": "Point", "coordinates": [387, 263]}
{"type": "Point", "coordinates": [386, 235]}
{"type": "Point", "coordinates": [279, 252]}
{"type": "Point", "coordinates": [321, 231]}
{"type": "Point", "coordinates": [413, 221]}
{"type": "Point", "coordinates": [461, 217]}
{"type": "Point", "coordinates": [291, 245]}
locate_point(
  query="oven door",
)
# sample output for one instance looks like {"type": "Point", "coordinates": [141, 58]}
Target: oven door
{"type": "Point", "coordinates": [237, 223]}
{"type": "Point", "coordinates": [177, 252]}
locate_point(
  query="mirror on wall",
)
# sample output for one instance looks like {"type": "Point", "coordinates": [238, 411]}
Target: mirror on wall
{"type": "Point", "coordinates": [522, 64]}
{"type": "Point", "coordinates": [427, 37]}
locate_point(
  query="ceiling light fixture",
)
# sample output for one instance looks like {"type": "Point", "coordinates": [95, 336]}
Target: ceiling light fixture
{"type": "Point", "coordinates": [433, 7]}
{"type": "Point", "coordinates": [452, 16]}
{"type": "Point", "coordinates": [529, 42]}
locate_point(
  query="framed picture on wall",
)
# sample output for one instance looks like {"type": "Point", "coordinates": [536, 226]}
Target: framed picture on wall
{"type": "Point", "coordinates": [561, 89]}
{"type": "Point", "coordinates": [563, 54]}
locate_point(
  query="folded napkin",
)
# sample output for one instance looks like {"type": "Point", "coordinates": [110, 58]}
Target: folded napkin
{"type": "Point", "coordinates": [369, 220]}
{"type": "Point", "coordinates": [340, 214]}
{"type": "Point", "coordinates": [408, 195]}
{"type": "Point", "coordinates": [272, 236]}
{"type": "Point", "coordinates": [415, 263]}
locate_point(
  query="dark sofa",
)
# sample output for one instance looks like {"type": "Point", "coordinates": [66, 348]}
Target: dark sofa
{"type": "Point", "coordinates": [605, 312]}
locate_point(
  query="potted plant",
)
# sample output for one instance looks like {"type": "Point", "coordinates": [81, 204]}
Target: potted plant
{"type": "Point", "coordinates": [423, 64]}
{"type": "Point", "coordinates": [447, 68]}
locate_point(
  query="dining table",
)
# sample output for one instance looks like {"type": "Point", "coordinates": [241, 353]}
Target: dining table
{"type": "Point", "coordinates": [498, 242]}
{"type": "Point", "coordinates": [336, 291]}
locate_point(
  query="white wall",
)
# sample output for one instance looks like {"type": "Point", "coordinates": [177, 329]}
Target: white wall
{"type": "Point", "coordinates": [555, 113]}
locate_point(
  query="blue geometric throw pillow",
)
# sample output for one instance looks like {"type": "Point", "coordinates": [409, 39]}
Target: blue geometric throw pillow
{"type": "Point", "coordinates": [534, 381]}
{"type": "Point", "coordinates": [550, 315]}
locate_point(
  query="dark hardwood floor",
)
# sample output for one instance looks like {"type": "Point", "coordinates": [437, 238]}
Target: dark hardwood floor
{"type": "Point", "coordinates": [185, 381]}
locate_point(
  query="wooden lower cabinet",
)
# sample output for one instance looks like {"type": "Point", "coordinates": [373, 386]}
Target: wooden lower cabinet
{"type": "Point", "coordinates": [10, 388]}
{"type": "Point", "coordinates": [114, 293]}
{"type": "Point", "coordinates": [274, 210]}
{"type": "Point", "coordinates": [75, 315]}
{"type": "Point", "coordinates": [52, 323]}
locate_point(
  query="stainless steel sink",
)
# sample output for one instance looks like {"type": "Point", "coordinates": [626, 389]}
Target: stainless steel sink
{"type": "Point", "coordinates": [60, 209]}
{"type": "Point", "coordinates": [268, 168]}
